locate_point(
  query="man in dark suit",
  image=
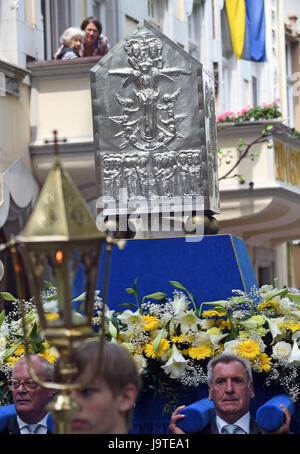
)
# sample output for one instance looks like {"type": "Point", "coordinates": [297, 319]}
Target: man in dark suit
{"type": "Point", "coordinates": [231, 390]}
{"type": "Point", "coordinates": [30, 399]}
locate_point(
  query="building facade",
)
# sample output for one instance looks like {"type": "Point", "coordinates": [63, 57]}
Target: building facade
{"type": "Point", "coordinates": [39, 95]}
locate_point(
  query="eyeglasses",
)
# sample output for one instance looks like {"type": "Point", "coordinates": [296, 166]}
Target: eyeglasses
{"type": "Point", "coordinates": [28, 384]}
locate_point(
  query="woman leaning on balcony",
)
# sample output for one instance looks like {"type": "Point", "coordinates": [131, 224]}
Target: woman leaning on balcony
{"type": "Point", "coordinates": [95, 44]}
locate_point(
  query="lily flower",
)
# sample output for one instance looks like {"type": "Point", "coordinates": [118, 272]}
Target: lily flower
{"type": "Point", "coordinates": [176, 364]}
{"type": "Point", "coordinates": [294, 356]}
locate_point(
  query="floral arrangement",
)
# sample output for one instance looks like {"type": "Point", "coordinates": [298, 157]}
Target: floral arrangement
{"type": "Point", "coordinates": [12, 338]}
{"type": "Point", "coordinates": [263, 112]}
{"type": "Point", "coordinates": [171, 339]}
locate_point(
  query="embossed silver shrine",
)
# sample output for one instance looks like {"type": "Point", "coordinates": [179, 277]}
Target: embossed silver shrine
{"type": "Point", "coordinates": [154, 124]}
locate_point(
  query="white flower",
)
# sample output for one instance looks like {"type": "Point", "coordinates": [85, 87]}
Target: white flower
{"type": "Point", "coordinates": [140, 362]}
{"type": "Point", "coordinates": [207, 323]}
{"type": "Point", "coordinates": [187, 321]}
{"type": "Point", "coordinates": [51, 307]}
{"type": "Point", "coordinates": [176, 365]}
{"type": "Point", "coordinates": [200, 338]}
{"type": "Point", "coordinates": [238, 314]}
{"type": "Point", "coordinates": [216, 338]}
{"type": "Point", "coordinates": [180, 303]}
{"type": "Point", "coordinates": [281, 350]}
{"type": "Point", "coordinates": [2, 343]}
{"type": "Point", "coordinates": [296, 314]}
{"type": "Point", "coordinates": [231, 346]}
{"type": "Point", "coordinates": [294, 356]}
{"type": "Point", "coordinates": [285, 306]}
{"type": "Point", "coordinates": [273, 325]}
{"type": "Point", "coordinates": [131, 318]}
{"type": "Point", "coordinates": [2, 348]}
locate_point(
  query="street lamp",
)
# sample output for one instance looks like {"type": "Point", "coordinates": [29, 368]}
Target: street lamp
{"type": "Point", "coordinates": [61, 234]}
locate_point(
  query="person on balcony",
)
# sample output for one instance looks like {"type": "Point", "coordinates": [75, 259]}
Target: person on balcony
{"type": "Point", "coordinates": [72, 40]}
{"type": "Point", "coordinates": [95, 43]}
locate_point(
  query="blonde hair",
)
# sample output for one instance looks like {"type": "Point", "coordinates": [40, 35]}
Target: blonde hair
{"type": "Point", "coordinates": [68, 34]}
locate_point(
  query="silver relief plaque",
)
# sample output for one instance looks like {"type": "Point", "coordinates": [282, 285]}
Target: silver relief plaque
{"type": "Point", "coordinates": [154, 123]}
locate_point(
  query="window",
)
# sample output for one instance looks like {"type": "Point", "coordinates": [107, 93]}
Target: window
{"type": "Point", "coordinates": [30, 13]}
{"type": "Point", "coordinates": [247, 100]}
{"type": "Point", "coordinates": [156, 12]}
{"type": "Point", "coordinates": [254, 91]}
{"type": "Point", "coordinates": [99, 11]}
{"type": "Point", "coordinates": [195, 26]}
{"type": "Point", "coordinates": [57, 16]}
{"type": "Point", "coordinates": [265, 265]}
{"type": "Point", "coordinates": [227, 49]}
{"type": "Point", "coordinates": [289, 83]}
{"type": "Point", "coordinates": [151, 8]}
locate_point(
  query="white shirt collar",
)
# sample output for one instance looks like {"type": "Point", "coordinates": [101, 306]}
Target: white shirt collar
{"type": "Point", "coordinates": [42, 422]}
{"type": "Point", "coordinates": [243, 423]}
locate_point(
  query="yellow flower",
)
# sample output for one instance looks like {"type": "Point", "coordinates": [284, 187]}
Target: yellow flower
{"type": "Point", "coordinates": [150, 322]}
{"type": "Point", "coordinates": [291, 326]}
{"type": "Point", "coordinates": [20, 351]}
{"type": "Point", "coordinates": [50, 357]}
{"type": "Point", "coordinates": [264, 363]}
{"type": "Point", "coordinates": [219, 350]}
{"type": "Point", "coordinates": [248, 349]}
{"type": "Point", "coordinates": [183, 338]}
{"type": "Point", "coordinates": [201, 352]}
{"type": "Point", "coordinates": [213, 313]}
{"type": "Point", "coordinates": [163, 346]}
{"type": "Point", "coordinates": [52, 317]}
{"type": "Point", "coordinates": [12, 360]}
{"type": "Point", "coordinates": [223, 324]}
{"type": "Point", "coordinates": [270, 304]}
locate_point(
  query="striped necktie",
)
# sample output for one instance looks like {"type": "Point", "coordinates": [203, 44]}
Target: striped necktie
{"type": "Point", "coordinates": [230, 429]}
{"type": "Point", "coordinates": [33, 428]}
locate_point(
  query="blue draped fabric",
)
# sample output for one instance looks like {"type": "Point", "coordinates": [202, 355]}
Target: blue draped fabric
{"type": "Point", "coordinates": [254, 44]}
{"type": "Point", "coordinates": [209, 268]}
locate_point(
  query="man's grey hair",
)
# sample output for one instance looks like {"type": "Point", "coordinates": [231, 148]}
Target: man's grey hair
{"type": "Point", "coordinates": [47, 368]}
{"type": "Point", "coordinates": [227, 358]}
{"type": "Point", "coordinates": [68, 34]}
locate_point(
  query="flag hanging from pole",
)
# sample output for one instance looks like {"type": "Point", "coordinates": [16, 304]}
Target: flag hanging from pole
{"type": "Point", "coordinates": [246, 19]}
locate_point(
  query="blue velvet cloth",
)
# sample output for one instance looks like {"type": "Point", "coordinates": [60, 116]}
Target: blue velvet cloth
{"type": "Point", "coordinates": [270, 415]}
{"type": "Point", "coordinates": [209, 268]}
{"type": "Point", "coordinates": [197, 416]}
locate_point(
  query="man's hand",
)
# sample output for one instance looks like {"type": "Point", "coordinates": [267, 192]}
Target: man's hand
{"type": "Point", "coordinates": [284, 429]}
{"type": "Point", "coordinates": [174, 429]}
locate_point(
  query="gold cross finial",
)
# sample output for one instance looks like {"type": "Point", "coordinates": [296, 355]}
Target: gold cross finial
{"type": "Point", "coordinates": [56, 141]}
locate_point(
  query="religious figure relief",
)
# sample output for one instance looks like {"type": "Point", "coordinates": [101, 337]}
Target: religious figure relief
{"type": "Point", "coordinates": [194, 172]}
{"type": "Point", "coordinates": [148, 120]}
{"type": "Point", "coordinates": [142, 174]}
{"type": "Point", "coordinates": [183, 172]}
{"type": "Point", "coordinates": [112, 174]}
{"type": "Point", "coordinates": [157, 172]}
{"type": "Point", "coordinates": [169, 174]}
{"type": "Point", "coordinates": [130, 174]}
